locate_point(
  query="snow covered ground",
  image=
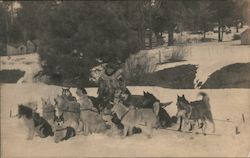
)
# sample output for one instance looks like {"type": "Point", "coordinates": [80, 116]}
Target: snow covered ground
{"type": "Point", "coordinates": [227, 104]}
{"type": "Point", "coordinates": [208, 57]}
{"type": "Point", "coordinates": [28, 63]}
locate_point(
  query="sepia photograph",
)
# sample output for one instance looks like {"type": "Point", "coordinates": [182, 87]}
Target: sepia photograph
{"type": "Point", "coordinates": [125, 78]}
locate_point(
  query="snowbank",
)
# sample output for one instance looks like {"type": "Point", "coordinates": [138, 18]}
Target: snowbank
{"type": "Point", "coordinates": [212, 56]}
{"type": "Point", "coordinates": [28, 63]}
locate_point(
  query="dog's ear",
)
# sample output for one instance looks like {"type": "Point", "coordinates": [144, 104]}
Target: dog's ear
{"type": "Point", "coordinates": [156, 108]}
{"type": "Point", "coordinates": [43, 101]}
{"type": "Point", "coordinates": [35, 107]}
{"type": "Point", "coordinates": [65, 89]}
{"type": "Point", "coordinates": [144, 92]}
{"type": "Point", "coordinates": [183, 96]}
{"type": "Point", "coordinates": [178, 96]}
{"type": "Point", "coordinates": [61, 117]}
{"type": "Point", "coordinates": [55, 118]}
{"type": "Point", "coordinates": [48, 100]}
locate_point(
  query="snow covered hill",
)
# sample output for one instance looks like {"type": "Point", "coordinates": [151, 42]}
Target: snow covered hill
{"type": "Point", "coordinates": [212, 56]}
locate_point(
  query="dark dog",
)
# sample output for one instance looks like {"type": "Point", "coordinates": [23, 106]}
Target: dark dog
{"type": "Point", "coordinates": [34, 122]}
{"type": "Point", "coordinates": [194, 111]}
{"type": "Point", "coordinates": [66, 93]}
{"type": "Point", "coordinates": [164, 119]}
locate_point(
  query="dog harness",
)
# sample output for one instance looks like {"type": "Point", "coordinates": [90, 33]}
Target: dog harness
{"type": "Point", "coordinates": [49, 111]}
{"type": "Point", "coordinates": [61, 129]}
{"type": "Point", "coordinates": [70, 132]}
{"type": "Point", "coordinates": [124, 115]}
{"type": "Point", "coordinates": [71, 111]}
{"type": "Point", "coordinates": [89, 110]}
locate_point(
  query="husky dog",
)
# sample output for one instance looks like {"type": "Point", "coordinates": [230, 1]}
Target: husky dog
{"type": "Point", "coordinates": [49, 112]}
{"type": "Point", "coordinates": [107, 117]}
{"type": "Point", "coordinates": [34, 122]}
{"type": "Point", "coordinates": [70, 110]}
{"type": "Point", "coordinates": [66, 93]}
{"type": "Point", "coordinates": [61, 132]}
{"type": "Point", "coordinates": [194, 111]}
{"type": "Point", "coordinates": [131, 116]}
{"type": "Point", "coordinates": [90, 119]}
{"type": "Point", "coordinates": [164, 118]}
{"type": "Point", "coordinates": [146, 101]}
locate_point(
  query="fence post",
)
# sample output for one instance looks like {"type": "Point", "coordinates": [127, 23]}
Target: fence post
{"type": "Point", "coordinates": [243, 118]}
{"type": "Point", "coordinates": [159, 57]}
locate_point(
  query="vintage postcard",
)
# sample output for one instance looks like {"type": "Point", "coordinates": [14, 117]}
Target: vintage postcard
{"type": "Point", "coordinates": [125, 78]}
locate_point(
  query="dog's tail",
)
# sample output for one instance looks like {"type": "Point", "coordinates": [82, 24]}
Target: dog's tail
{"type": "Point", "coordinates": [205, 99]}
{"type": "Point", "coordinates": [166, 104]}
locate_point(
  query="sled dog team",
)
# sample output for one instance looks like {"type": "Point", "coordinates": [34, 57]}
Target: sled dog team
{"type": "Point", "coordinates": [69, 116]}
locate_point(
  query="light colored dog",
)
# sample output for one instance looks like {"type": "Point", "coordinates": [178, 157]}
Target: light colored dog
{"type": "Point", "coordinates": [131, 117]}
{"type": "Point", "coordinates": [107, 117]}
{"type": "Point", "coordinates": [90, 120]}
{"type": "Point", "coordinates": [48, 111]}
{"type": "Point", "coordinates": [70, 111]}
{"type": "Point", "coordinates": [61, 132]}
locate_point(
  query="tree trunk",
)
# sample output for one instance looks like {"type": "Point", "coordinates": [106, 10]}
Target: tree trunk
{"type": "Point", "coordinates": [11, 13]}
{"type": "Point", "coordinates": [159, 38]}
{"type": "Point", "coordinates": [159, 57]}
{"type": "Point", "coordinates": [219, 34]}
{"type": "Point", "coordinates": [139, 38]}
{"type": "Point", "coordinates": [143, 38]}
{"type": "Point", "coordinates": [150, 26]}
{"type": "Point", "coordinates": [6, 39]}
{"type": "Point", "coordinates": [204, 35]}
{"type": "Point", "coordinates": [170, 37]}
{"type": "Point", "coordinates": [237, 28]}
{"type": "Point", "coordinates": [150, 39]}
{"type": "Point", "coordinates": [140, 30]}
{"type": "Point", "coordinates": [162, 40]}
